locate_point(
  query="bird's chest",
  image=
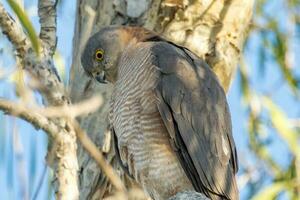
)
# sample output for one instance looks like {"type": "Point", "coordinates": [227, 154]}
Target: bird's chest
{"type": "Point", "coordinates": [133, 97]}
{"type": "Point", "coordinates": [130, 103]}
{"type": "Point", "coordinates": [143, 142]}
{"type": "Point", "coordinates": [125, 116]}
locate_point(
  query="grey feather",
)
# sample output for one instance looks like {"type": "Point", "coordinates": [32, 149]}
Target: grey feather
{"type": "Point", "coordinates": [200, 121]}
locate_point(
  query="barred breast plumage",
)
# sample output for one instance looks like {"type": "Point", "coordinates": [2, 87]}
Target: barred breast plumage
{"type": "Point", "coordinates": [143, 142]}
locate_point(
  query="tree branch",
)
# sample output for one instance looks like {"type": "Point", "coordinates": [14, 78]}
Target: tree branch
{"type": "Point", "coordinates": [34, 118]}
{"type": "Point", "coordinates": [13, 32]}
{"type": "Point", "coordinates": [74, 110]}
{"type": "Point", "coordinates": [47, 14]}
{"type": "Point", "coordinates": [92, 149]}
{"type": "Point", "coordinates": [41, 122]}
{"type": "Point", "coordinates": [49, 83]}
{"type": "Point", "coordinates": [66, 164]}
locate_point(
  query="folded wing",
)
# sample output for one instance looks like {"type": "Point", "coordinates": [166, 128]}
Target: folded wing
{"type": "Point", "coordinates": [194, 109]}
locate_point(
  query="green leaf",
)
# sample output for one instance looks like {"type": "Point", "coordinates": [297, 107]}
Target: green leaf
{"type": "Point", "coordinates": [270, 192]}
{"type": "Point", "coordinates": [256, 128]}
{"type": "Point", "coordinates": [279, 48]}
{"type": "Point", "coordinates": [17, 77]}
{"type": "Point", "coordinates": [282, 125]}
{"type": "Point", "coordinates": [60, 64]}
{"type": "Point", "coordinates": [27, 25]}
{"type": "Point", "coordinates": [245, 85]}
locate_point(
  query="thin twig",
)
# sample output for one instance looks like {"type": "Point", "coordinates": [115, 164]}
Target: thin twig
{"type": "Point", "coordinates": [36, 119]}
{"type": "Point", "coordinates": [73, 110]}
{"type": "Point", "coordinates": [92, 149]}
{"type": "Point", "coordinates": [40, 183]}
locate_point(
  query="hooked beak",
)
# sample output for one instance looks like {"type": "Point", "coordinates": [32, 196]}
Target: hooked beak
{"type": "Point", "coordinates": [101, 78]}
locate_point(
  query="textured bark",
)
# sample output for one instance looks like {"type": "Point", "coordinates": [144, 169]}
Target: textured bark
{"type": "Point", "coordinates": [215, 30]}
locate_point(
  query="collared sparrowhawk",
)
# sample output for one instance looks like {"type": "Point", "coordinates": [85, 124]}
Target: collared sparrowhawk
{"type": "Point", "coordinates": [168, 113]}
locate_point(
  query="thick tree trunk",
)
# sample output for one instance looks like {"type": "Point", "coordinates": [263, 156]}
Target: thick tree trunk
{"type": "Point", "coordinates": [215, 30]}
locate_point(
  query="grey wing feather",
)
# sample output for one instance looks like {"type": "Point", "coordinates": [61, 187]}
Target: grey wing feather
{"type": "Point", "coordinates": [193, 107]}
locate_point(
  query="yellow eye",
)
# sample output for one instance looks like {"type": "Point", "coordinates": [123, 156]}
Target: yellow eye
{"type": "Point", "coordinates": [99, 54]}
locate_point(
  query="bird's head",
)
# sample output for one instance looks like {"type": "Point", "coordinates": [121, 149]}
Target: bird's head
{"type": "Point", "coordinates": [102, 52]}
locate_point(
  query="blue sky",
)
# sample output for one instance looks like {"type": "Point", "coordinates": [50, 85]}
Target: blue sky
{"type": "Point", "coordinates": [20, 172]}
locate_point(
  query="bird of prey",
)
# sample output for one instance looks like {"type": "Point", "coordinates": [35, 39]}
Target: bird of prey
{"type": "Point", "coordinates": [168, 113]}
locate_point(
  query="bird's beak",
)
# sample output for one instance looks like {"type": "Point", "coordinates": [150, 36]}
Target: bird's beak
{"type": "Point", "coordinates": [101, 78]}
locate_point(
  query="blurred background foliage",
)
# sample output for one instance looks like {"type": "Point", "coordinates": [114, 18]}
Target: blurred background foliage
{"type": "Point", "coordinates": [269, 87]}
{"type": "Point", "coordinates": [264, 102]}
